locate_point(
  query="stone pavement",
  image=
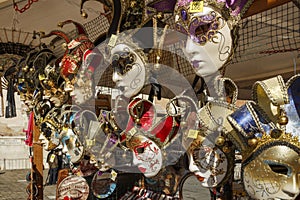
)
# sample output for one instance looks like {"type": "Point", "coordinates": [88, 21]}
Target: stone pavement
{"type": "Point", "coordinates": [13, 187]}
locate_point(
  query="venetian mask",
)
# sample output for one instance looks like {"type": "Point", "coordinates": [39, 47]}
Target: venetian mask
{"type": "Point", "coordinates": [128, 70]}
{"type": "Point", "coordinates": [273, 173]}
{"type": "Point", "coordinates": [147, 155]}
{"type": "Point", "coordinates": [73, 187]}
{"type": "Point", "coordinates": [48, 136]}
{"type": "Point", "coordinates": [208, 163]}
{"type": "Point", "coordinates": [84, 84]}
{"type": "Point", "coordinates": [71, 144]}
{"type": "Point", "coordinates": [210, 152]}
{"type": "Point", "coordinates": [208, 45]}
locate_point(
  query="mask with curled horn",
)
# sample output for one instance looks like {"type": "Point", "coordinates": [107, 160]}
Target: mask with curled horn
{"type": "Point", "coordinates": [146, 138]}
{"type": "Point", "coordinates": [77, 50]}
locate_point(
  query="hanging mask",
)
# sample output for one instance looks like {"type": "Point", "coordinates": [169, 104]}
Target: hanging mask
{"type": "Point", "coordinates": [276, 174]}
{"type": "Point", "coordinates": [129, 71]}
{"type": "Point", "coordinates": [73, 187]}
{"type": "Point", "coordinates": [270, 165]}
{"type": "Point", "coordinates": [211, 152]}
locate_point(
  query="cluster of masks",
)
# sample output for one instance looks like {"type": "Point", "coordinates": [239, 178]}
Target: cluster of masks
{"type": "Point", "coordinates": [141, 149]}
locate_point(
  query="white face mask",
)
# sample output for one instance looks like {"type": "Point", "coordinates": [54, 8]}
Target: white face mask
{"type": "Point", "coordinates": [130, 77]}
{"type": "Point", "coordinates": [147, 156]}
{"type": "Point", "coordinates": [208, 163]}
{"type": "Point", "coordinates": [209, 56]}
{"type": "Point", "coordinates": [273, 174]}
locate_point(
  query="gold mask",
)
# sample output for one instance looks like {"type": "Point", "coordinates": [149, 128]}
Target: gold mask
{"type": "Point", "coordinates": [276, 173]}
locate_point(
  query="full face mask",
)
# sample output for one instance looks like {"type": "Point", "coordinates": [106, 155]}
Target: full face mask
{"type": "Point", "coordinates": [211, 153]}
{"type": "Point", "coordinates": [146, 138]}
{"type": "Point", "coordinates": [270, 164]}
{"type": "Point", "coordinates": [129, 71]}
{"type": "Point", "coordinates": [276, 174]}
{"type": "Point", "coordinates": [210, 27]}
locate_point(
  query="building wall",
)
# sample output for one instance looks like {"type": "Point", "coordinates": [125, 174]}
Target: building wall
{"type": "Point", "coordinates": [14, 154]}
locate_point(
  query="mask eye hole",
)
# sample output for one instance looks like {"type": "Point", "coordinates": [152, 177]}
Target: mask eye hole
{"type": "Point", "coordinates": [202, 30]}
{"type": "Point", "coordinates": [140, 150]}
{"type": "Point", "coordinates": [279, 169]}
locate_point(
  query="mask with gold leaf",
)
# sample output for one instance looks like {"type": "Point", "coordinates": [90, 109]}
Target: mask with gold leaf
{"type": "Point", "coordinates": [76, 51]}
{"type": "Point", "coordinates": [211, 152]}
{"type": "Point", "coordinates": [211, 29]}
{"type": "Point", "coordinates": [270, 164]}
{"type": "Point", "coordinates": [49, 127]}
{"type": "Point", "coordinates": [134, 38]}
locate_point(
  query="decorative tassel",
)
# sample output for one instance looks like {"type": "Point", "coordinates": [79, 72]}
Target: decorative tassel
{"type": "Point", "coordinates": [29, 131]}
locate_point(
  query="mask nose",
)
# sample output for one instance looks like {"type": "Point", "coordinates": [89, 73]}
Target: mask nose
{"type": "Point", "coordinates": [190, 49]}
{"type": "Point", "coordinates": [116, 77]}
{"type": "Point", "coordinates": [41, 137]}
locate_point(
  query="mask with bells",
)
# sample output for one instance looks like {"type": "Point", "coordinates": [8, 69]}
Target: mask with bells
{"type": "Point", "coordinates": [270, 164]}
{"type": "Point", "coordinates": [211, 152]}
{"type": "Point", "coordinates": [146, 138]}
{"type": "Point", "coordinates": [77, 50]}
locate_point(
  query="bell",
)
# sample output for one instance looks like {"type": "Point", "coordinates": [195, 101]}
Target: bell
{"type": "Point", "coordinates": [183, 123]}
{"type": "Point", "coordinates": [252, 142]}
{"type": "Point", "coordinates": [106, 130]}
{"type": "Point", "coordinates": [226, 149]}
{"type": "Point", "coordinates": [115, 128]}
{"type": "Point", "coordinates": [25, 69]}
{"type": "Point", "coordinates": [84, 14]}
{"type": "Point", "coordinates": [133, 4]}
{"type": "Point", "coordinates": [137, 121]}
{"type": "Point", "coordinates": [60, 24]}
{"type": "Point", "coordinates": [42, 33]}
{"type": "Point", "coordinates": [101, 161]}
{"type": "Point", "coordinates": [276, 133]}
{"type": "Point", "coordinates": [220, 141]}
{"type": "Point", "coordinates": [283, 120]}
{"type": "Point", "coordinates": [160, 15]}
{"type": "Point", "coordinates": [64, 45]}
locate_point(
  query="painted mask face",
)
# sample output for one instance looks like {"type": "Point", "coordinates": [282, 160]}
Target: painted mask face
{"type": "Point", "coordinates": [147, 156]}
{"type": "Point", "coordinates": [128, 70]}
{"type": "Point", "coordinates": [71, 144]}
{"type": "Point", "coordinates": [48, 137]}
{"type": "Point", "coordinates": [209, 42]}
{"type": "Point", "coordinates": [273, 174]}
{"type": "Point", "coordinates": [73, 187]}
{"type": "Point", "coordinates": [208, 163]}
